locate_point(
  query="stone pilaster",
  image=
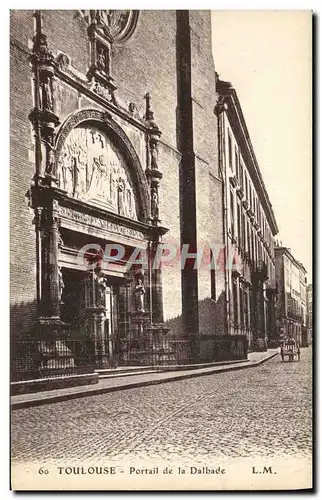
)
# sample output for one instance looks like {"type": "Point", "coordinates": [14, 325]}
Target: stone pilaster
{"type": "Point", "coordinates": [51, 283]}
{"type": "Point", "coordinates": [43, 115]}
{"type": "Point", "coordinates": [259, 275]}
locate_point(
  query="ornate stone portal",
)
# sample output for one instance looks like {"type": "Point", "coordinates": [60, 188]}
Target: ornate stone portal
{"type": "Point", "coordinates": [91, 169]}
{"type": "Point", "coordinates": [89, 180]}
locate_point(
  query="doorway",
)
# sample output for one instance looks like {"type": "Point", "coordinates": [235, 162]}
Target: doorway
{"type": "Point", "coordinates": [100, 329]}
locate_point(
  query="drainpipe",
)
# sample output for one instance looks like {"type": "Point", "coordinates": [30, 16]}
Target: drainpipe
{"type": "Point", "coordinates": [220, 117]}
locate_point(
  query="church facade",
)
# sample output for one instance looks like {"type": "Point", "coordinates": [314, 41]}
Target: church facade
{"type": "Point", "coordinates": [117, 227]}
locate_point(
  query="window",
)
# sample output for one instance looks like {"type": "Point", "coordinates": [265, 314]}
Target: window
{"type": "Point", "coordinates": [241, 305]}
{"type": "Point", "coordinates": [212, 276]}
{"type": "Point", "coordinates": [246, 303]}
{"type": "Point", "coordinates": [239, 224]}
{"type": "Point", "coordinates": [249, 239]}
{"type": "Point", "coordinates": [243, 229]}
{"type": "Point", "coordinates": [237, 164]}
{"type": "Point", "coordinates": [235, 301]}
{"type": "Point", "coordinates": [232, 214]}
{"type": "Point", "coordinates": [230, 152]}
{"type": "Point", "coordinates": [257, 248]}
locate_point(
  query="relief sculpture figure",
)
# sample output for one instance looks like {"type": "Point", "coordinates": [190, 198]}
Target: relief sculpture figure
{"type": "Point", "coordinates": [89, 168]}
{"type": "Point", "coordinates": [98, 177]}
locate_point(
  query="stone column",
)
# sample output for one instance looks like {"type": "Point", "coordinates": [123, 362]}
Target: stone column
{"type": "Point", "coordinates": [259, 342]}
{"type": "Point", "coordinates": [271, 316]}
{"type": "Point", "coordinates": [156, 283]}
{"type": "Point", "coordinates": [52, 280]}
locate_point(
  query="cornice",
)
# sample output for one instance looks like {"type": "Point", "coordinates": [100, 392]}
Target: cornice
{"type": "Point", "coordinates": [237, 121]}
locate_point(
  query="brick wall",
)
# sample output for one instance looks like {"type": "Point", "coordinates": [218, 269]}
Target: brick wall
{"type": "Point", "coordinates": [22, 234]}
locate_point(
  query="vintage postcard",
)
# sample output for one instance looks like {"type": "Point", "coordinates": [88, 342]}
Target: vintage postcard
{"type": "Point", "coordinates": [161, 309]}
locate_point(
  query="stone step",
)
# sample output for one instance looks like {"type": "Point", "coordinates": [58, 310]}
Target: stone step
{"type": "Point", "coordinates": [51, 383]}
{"type": "Point", "coordinates": [124, 370]}
{"type": "Point", "coordinates": [127, 374]}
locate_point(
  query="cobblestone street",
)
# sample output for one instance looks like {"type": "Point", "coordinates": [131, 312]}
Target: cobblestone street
{"type": "Point", "coordinates": [263, 411]}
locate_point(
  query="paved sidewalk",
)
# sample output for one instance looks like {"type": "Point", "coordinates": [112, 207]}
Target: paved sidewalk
{"type": "Point", "coordinates": [106, 385]}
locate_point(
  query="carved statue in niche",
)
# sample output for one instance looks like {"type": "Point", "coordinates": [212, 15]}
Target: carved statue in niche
{"type": "Point", "coordinates": [90, 168]}
{"type": "Point", "coordinates": [154, 203]}
{"type": "Point", "coordinates": [50, 156]}
{"type": "Point", "coordinates": [139, 293]}
{"type": "Point", "coordinates": [47, 96]}
{"type": "Point", "coordinates": [154, 154]}
{"type": "Point", "coordinates": [100, 284]}
{"type": "Point", "coordinates": [61, 284]}
{"type": "Point", "coordinates": [101, 59]}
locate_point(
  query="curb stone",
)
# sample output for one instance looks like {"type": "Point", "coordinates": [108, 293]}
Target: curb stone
{"type": "Point", "coordinates": [15, 405]}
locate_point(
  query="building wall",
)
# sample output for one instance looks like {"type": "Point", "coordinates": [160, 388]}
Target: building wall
{"type": "Point", "coordinates": [22, 231]}
{"type": "Point", "coordinates": [138, 66]}
{"type": "Point", "coordinates": [281, 297]}
{"type": "Point", "coordinates": [208, 184]}
{"type": "Point", "coordinates": [309, 312]}
{"type": "Point", "coordinates": [247, 232]}
{"type": "Point", "coordinates": [291, 308]}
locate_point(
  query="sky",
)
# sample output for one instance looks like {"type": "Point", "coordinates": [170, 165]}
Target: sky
{"type": "Point", "coordinates": [266, 55]}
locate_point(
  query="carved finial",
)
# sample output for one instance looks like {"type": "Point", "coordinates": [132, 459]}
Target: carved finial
{"type": "Point", "coordinates": [148, 112]}
{"type": "Point", "coordinates": [40, 47]}
{"type": "Point", "coordinates": [38, 17]}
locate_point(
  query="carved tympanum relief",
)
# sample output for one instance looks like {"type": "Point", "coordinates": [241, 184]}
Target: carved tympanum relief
{"type": "Point", "coordinates": [91, 168]}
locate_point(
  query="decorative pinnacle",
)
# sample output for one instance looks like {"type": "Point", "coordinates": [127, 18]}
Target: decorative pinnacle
{"type": "Point", "coordinates": [148, 112]}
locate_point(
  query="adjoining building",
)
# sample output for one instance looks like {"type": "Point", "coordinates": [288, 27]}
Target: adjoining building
{"type": "Point", "coordinates": [291, 300]}
{"type": "Point", "coordinates": [309, 313]}
{"type": "Point", "coordinates": [249, 228]}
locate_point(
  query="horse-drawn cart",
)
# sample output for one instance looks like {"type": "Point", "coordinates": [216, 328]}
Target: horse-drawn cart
{"type": "Point", "coordinates": [290, 350]}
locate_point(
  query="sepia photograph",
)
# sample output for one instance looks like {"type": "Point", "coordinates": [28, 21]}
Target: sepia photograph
{"type": "Point", "coordinates": [161, 333]}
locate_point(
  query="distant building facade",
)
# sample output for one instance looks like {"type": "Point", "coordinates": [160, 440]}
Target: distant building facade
{"type": "Point", "coordinates": [291, 300]}
{"type": "Point", "coordinates": [249, 228]}
{"type": "Point", "coordinates": [309, 313]}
